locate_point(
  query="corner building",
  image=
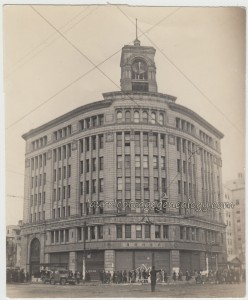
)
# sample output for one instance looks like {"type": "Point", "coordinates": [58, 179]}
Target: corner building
{"type": "Point", "coordinates": [134, 146]}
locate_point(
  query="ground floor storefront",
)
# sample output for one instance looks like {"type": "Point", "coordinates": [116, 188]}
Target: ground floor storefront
{"type": "Point", "coordinates": [129, 260]}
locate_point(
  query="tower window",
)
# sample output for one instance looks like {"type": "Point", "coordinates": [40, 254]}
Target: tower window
{"type": "Point", "coordinates": [119, 116]}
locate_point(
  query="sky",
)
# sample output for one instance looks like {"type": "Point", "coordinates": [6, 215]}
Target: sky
{"type": "Point", "coordinates": [200, 59]}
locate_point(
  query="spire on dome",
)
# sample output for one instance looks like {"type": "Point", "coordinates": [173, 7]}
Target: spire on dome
{"type": "Point", "coordinates": [136, 41]}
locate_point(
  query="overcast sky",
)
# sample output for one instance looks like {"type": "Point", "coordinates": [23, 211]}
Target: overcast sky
{"type": "Point", "coordinates": [200, 59]}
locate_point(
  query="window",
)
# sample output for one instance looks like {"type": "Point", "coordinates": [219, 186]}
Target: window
{"type": "Point", "coordinates": [69, 150]}
{"type": "Point", "coordinates": [58, 213]}
{"type": "Point", "coordinates": [87, 165]}
{"type": "Point", "coordinates": [101, 141]}
{"type": "Point", "coordinates": [127, 139]}
{"type": "Point", "coordinates": [128, 117]}
{"type": "Point", "coordinates": [64, 152]}
{"type": "Point", "coordinates": [145, 139]}
{"type": "Point", "coordinates": [155, 162]}
{"type": "Point", "coordinates": [185, 187]}
{"type": "Point", "coordinates": [119, 161]}
{"type": "Point", "coordinates": [119, 231]}
{"type": "Point", "coordinates": [146, 183]}
{"type": "Point", "coordinates": [59, 193]}
{"type": "Point", "coordinates": [93, 140]}
{"type": "Point", "coordinates": [54, 194]}
{"type": "Point", "coordinates": [69, 171]}
{"type": "Point", "coordinates": [64, 172]}
{"type": "Point", "coordinates": [147, 231]}
{"type": "Point", "coordinates": [81, 167]}
{"type": "Point", "coordinates": [162, 141]}
{"type": "Point", "coordinates": [178, 144]}
{"type": "Point", "coordinates": [93, 186]}
{"type": "Point", "coordinates": [94, 121]}
{"type": "Point", "coordinates": [128, 183]}
{"type": "Point", "coordinates": [127, 161]}
{"type": "Point", "coordinates": [119, 116]}
{"type": "Point", "coordinates": [184, 145]}
{"type": "Point", "coordinates": [101, 185]}
{"type": "Point", "coordinates": [81, 188]}
{"type": "Point", "coordinates": [92, 233]}
{"type": "Point", "coordinates": [161, 119]}
{"type": "Point", "coordinates": [137, 161]}
{"type": "Point", "coordinates": [145, 117]}
{"type": "Point", "coordinates": [136, 117]}
{"type": "Point", "coordinates": [93, 164]}
{"type": "Point", "coordinates": [100, 231]}
{"type": "Point", "coordinates": [157, 231]}
{"type": "Point", "coordinates": [87, 123]}
{"type": "Point", "coordinates": [155, 184]}
{"type": "Point", "coordinates": [81, 146]}
{"type": "Point", "coordinates": [101, 163]}
{"type": "Point", "coordinates": [87, 187]}
{"type": "Point", "coordinates": [68, 211]}
{"type": "Point", "coordinates": [127, 231]}
{"type": "Point", "coordinates": [165, 231]}
{"type": "Point", "coordinates": [138, 231]}
{"type": "Point", "coordinates": [54, 214]}
{"type": "Point", "coordinates": [184, 166]}
{"type": "Point", "coordinates": [87, 144]}
{"type": "Point", "coordinates": [137, 184]}
{"type": "Point", "coordinates": [79, 234]}
{"type": "Point", "coordinates": [187, 233]}
{"type": "Point", "coordinates": [64, 188]}
{"type": "Point", "coordinates": [181, 232]}
{"type": "Point", "coordinates": [153, 118]}
{"type": "Point", "coordinates": [163, 163]}
{"type": "Point", "coordinates": [155, 140]}
{"type": "Point", "coordinates": [145, 161]}
{"type": "Point", "coordinates": [59, 153]}
{"type": "Point", "coordinates": [119, 139]}
{"type": "Point", "coordinates": [101, 120]}
{"type": "Point", "coordinates": [179, 186]}
{"type": "Point", "coordinates": [137, 139]}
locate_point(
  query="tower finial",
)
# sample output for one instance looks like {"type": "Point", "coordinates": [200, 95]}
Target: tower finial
{"type": "Point", "coordinates": [136, 42]}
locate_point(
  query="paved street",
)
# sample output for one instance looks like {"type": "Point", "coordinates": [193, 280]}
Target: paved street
{"type": "Point", "coordinates": [137, 290]}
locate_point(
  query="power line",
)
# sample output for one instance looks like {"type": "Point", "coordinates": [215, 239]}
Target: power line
{"type": "Point", "coordinates": [184, 75]}
{"type": "Point", "coordinates": [81, 76]}
{"type": "Point", "coordinates": [47, 39]}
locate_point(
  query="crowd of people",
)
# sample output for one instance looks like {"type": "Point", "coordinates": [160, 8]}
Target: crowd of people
{"type": "Point", "coordinates": [16, 275]}
{"type": "Point", "coordinates": [143, 275]}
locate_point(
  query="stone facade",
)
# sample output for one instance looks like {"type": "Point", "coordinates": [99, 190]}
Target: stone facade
{"type": "Point", "coordinates": [115, 182]}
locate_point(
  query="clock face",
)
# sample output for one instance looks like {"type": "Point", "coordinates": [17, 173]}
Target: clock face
{"type": "Point", "coordinates": [139, 66]}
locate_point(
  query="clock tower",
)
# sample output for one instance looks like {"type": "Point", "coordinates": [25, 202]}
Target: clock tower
{"type": "Point", "coordinates": [138, 70]}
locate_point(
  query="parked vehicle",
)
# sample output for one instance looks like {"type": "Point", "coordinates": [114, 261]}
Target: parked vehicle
{"type": "Point", "coordinates": [63, 277]}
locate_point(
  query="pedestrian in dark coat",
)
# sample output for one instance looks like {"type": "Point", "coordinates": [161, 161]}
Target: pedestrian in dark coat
{"type": "Point", "coordinates": [153, 274]}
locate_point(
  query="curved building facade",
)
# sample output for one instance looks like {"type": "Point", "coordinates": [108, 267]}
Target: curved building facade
{"type": "Point", "coordinates": [124, 181]}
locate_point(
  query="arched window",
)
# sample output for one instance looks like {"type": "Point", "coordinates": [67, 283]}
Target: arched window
{"type": "Point", "coordinates": [119, 116]}
{"type": "Point", "coordinates": [127, 116]}
{"type": "Point", "coordinates": [145, 117]}
{"type": "Point", "coordinates": [153, 118]}
{"type": "Point", "coordinates": [161, 119]}
{"type": "Point", "coordinates": [136, 117]}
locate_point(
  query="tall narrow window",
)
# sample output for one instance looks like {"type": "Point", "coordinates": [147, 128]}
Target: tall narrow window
{"type": "Point", "coordinates": [147, 231]}
{"type": "Point", "coordinates": [157, 232]}
{"type": "Point", "coordinates": [128, 117]}
{"type": "Point", "coordinates": [119, 116]}
{"type": "Point", "coordinates": [145, 139]}
{"type": "Point", "coordinates": [119, 231]}
{"type": "Point", "coordinates": [145, 117]}
{"type": "Point", "coordinates": [119, 139]}
{"type": "Point", "coordinates": [145, 161]}
{"type": "Point", "coordinates": [153, 118]}
{"type": "Point", "coordinates": [127, 231]}
{"type": "Point", "coordinates": [137, 139]}
{"type": "Point", "coordinates": [136, 117]}
{"type": "Point", "coordinates": [128, 183]}
{"type": "Point", "coordinates": [119, 184]}
{"type": "Point", "coordinates": [161, 119]}
{"type": "Point", "coordinates": [137, 161]}
{"type": "Point", "coordinates": [138, 231]}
